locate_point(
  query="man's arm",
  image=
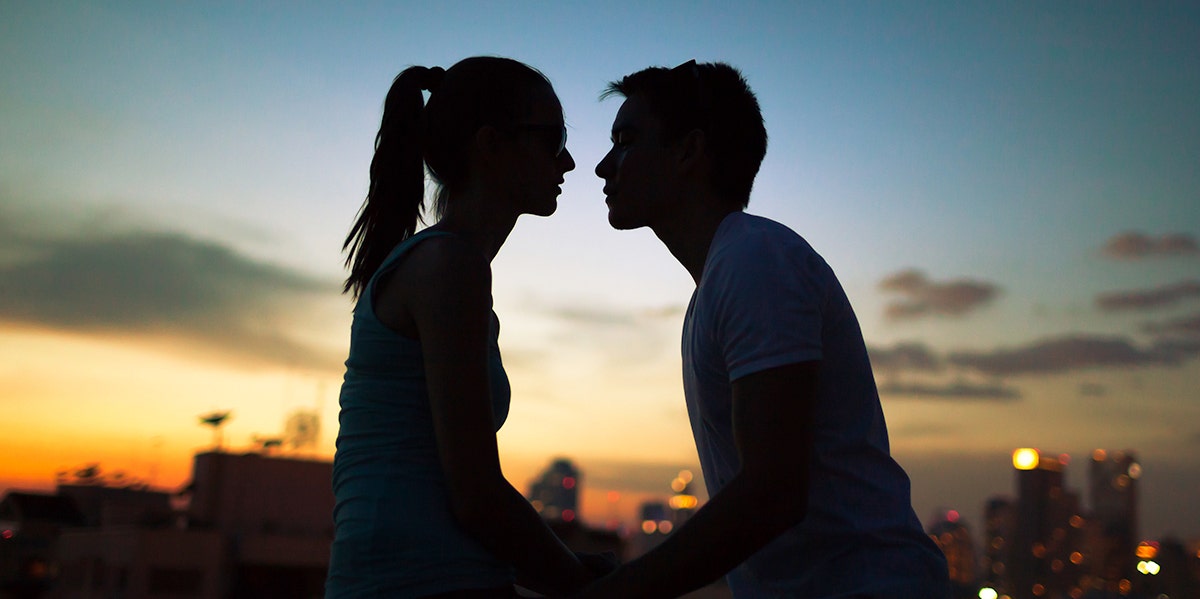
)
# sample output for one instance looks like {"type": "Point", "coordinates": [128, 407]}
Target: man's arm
{"type": "Point", "coordinates": [772, 426]}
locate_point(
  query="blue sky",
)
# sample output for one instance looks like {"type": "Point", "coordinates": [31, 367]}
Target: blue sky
{"type": "Point", "coordinates": [995, 149]}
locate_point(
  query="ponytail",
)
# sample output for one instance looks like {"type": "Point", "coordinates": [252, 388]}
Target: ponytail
{"type": "Point", "coordinates": [392, 209]}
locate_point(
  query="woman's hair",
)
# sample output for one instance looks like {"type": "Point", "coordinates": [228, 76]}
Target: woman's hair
{"type": "Point", "coordinates": [418, 136]}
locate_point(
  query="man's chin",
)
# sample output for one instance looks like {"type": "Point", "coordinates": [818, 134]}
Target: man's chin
{"type": "Point", "coordinates": [621, 224]}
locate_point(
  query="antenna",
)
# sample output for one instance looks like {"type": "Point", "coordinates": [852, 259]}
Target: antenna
{"type": "Point", "coordinates": [216, 420]}
{"type": "Point", "coordinates": [302, 429]}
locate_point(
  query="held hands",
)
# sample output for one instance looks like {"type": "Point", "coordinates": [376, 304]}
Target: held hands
{"type": "Point", "coordinates": [600, 564]}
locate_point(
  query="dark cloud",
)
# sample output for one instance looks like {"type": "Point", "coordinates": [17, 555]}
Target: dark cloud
{"type": "Point", "coordinates": [904, 357]}
{"type": "Point", "coordinates": [1147, 299]}
{"type": "Point", "coordinates": [166, 286]}
{"type": "Point", "coordinates": [930, 298]}
{"type": "Point", "coordinates": [956, 390]}
{"type": "Point", "coordinates": [1133, 245]}
{"type": "Point", "coordinates": [1072, 353]}
{"type": "Point", "coordinates": [1188, 326]}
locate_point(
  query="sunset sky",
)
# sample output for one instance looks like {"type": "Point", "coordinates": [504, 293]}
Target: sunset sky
{"type": "Point", "coordinates": [1009, 192]}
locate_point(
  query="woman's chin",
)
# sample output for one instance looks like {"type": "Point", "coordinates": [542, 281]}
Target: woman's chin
{"type": "Point", "coordinates": [546, 210]}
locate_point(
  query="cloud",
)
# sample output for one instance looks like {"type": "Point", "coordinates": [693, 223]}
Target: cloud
{"type": "Point", "coordinates": [905, 356]}
{"type": "Point", "coordinates": [197, 295]}
{"type": "Point", "coordinates": [1160, 297]}
{"type": "Point", "coordinates": [955, 390]}
{"type": "Point", "coordinates": [926, 297]}
{"type": "Point", "coordinates": [1133, 245]}
{"type": "Point", "coordinates": [1188, 326]}
{"type": "Point", "coordinates": [1072, 353]}
{"type": "Point", "coordinates": [594, 315]}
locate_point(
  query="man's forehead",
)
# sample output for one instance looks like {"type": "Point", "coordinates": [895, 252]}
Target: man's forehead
{"type": "Point", "coordinates": [634, 114]}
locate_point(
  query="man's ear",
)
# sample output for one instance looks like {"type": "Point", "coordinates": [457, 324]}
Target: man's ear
{"type": "Point", "coordinates": [693, 148]}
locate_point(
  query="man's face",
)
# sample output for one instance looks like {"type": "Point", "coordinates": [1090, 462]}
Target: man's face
{"type": "Point", "coordinates": [638, 171]}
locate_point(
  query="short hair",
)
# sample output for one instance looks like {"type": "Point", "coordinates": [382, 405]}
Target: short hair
{"type": "Point", "coordinates": [715, 98]}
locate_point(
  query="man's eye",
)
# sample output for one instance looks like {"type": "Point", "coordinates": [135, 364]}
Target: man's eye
{"type": "Point", "coordinates": [622, 138]}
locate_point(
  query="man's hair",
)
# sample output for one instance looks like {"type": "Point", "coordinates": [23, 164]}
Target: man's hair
{"type": "Point", "coordinates": [715, 98]}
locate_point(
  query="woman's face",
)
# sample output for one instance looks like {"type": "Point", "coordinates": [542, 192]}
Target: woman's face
{"type": "Point", "coordinates": [539, 158]}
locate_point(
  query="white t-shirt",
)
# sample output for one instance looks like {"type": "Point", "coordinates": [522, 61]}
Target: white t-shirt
{"type": "Point", "coordinates": [766, 299]}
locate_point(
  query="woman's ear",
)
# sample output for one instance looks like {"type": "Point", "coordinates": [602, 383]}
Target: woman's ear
{"type": "Point", "coordinates": [487, 142]}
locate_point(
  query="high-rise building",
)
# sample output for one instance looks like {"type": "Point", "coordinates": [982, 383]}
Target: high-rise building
{"type": "Point", "coordinates": [1045, 557]}
{"type": "Point", "coordinates": [954, 539]}
{"type": "Point", "coordinates": [555, 495]}
{"type": "Point", "coordinates": [999, 521]}
{"type": "Point", "coordinates": [1113, 485]}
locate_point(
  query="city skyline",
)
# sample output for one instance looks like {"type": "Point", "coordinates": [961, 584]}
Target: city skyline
{"type": "Point", "coordinates": [1009, 195]}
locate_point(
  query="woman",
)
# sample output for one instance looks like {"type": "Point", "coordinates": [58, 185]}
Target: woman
{"type": "Point", "coordinates": [423, 509]}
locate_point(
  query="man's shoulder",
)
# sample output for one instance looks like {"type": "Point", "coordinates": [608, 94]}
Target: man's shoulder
{"type": "Point", "coordinates": [751, 239]}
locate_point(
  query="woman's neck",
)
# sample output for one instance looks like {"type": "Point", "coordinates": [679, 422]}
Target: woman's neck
{"type": "Point", "coordinates": [486, 229]}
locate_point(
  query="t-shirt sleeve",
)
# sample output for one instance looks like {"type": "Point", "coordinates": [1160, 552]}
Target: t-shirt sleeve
{"type": "Point", "coordinates": [767, 304]}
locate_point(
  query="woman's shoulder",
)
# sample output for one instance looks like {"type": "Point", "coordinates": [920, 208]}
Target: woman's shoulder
{"type": "Point", "coordinates": [444, 255]}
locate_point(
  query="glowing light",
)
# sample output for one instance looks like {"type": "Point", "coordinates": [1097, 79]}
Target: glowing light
{"type": "Point", "coordinates": [1147, 550]}
{"type": "Point", "coordinates": [665, 527]}
{"type": "Point", "coordinates": [1149, 567]}
{"type": "Point", "coordinates": [1039, 589]}
{"type": "Point", "coordinates": [568, 482]}
{"type": "Point", "coordinates": [568, 515]}
{"type": "Point", "coordinates": [1099, 455]}
{"type": "Point", "coordinates": [678, 485]}
{"type": "Point", "coordinates": [649, 526]}
{"type": "Point", "coordinates": [1135, 471]}
{"type": "Point", "coordinates": [1076, 558]}
{"type": "Point", "coordinates": [685, 476]}
{"type": "Point", "coordinates": [1076, 593]}
{"type": "Point", "coordinates": [1076, 521]}
{"type": "Point", "coordinates": [988, 593]}
{"type": "Point", "coordinates": [1124, 586]}
{"type": "Point", "coordinates": [683, 502]}
{"type": "Point", "coordinates": [1064, 459]}
{"type": "Point", "coordinates": [1025, 458]}
{"type": "Point", "coordinates": [952, 516]}
{"type": "Point", "coordinates": [8, 533]}
{"type": "Point", "coordinates": [1122, 481]}
{"type": "Point", "coordinates": [1057, 566]}
{"type": "Point", "coordinates": [1039, 550]}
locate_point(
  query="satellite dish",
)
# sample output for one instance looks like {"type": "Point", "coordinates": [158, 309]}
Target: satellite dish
{"type": "Point", "coordinates": [268, 444]}
{"type": "Point", "coordinates": [216, 420]}
{"type": "Point", "coordinates": [302, 429]}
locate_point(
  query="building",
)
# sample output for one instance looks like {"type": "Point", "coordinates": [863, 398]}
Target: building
{"type": "Point", "coordinates": [1045, 556]}
{"type": "Point", "coordinates": [999, 521]}
{"type": "Point", "coordinates": [555, 495]}
{"type": "Point", "coordinates": [954, 539]}
{"type": "Point", "coordinates": [30, 524]}
{"type": "Point", "coordinates": [1113, 494]}
{"type": "Point", "coordinates": [254, 526]}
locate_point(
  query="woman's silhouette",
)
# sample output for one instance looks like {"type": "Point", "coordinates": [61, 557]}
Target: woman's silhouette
{"type": "Point", "coordinates": [422, 506]}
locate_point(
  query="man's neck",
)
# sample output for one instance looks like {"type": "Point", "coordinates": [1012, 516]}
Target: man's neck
{"type": "Point", "coordinates": [689, 236]}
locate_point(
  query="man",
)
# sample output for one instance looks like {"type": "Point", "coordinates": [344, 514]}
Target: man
{"type": "Point", "coordinates": [805, 498]}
